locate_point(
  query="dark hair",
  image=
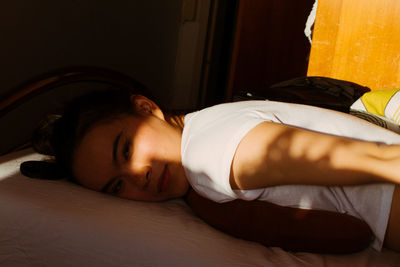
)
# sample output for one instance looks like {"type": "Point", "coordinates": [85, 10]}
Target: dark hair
{"type": "Point", "coordinates": [59, 135]}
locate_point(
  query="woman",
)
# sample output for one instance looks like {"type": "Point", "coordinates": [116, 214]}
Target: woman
{"type": "Point", "coordinates": [125, 145]}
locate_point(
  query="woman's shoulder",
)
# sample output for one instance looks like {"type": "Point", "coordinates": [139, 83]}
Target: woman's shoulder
{"type": "Point", "coordinates": [223, 111]}
{"type": "Point", "coordinates": [209, 141]}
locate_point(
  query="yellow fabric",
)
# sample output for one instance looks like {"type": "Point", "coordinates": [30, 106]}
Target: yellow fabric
{"type": "Point", "coordinates": [376, 101]}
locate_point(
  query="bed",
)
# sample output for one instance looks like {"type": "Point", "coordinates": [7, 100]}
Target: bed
{"type": "Point", "coordinates": [57, 223]}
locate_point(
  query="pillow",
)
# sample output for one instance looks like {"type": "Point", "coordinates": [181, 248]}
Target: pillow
{"type": "Point", "coordinates": [315, 91]}
{"type": "Point", "coordinates": [381, 107]}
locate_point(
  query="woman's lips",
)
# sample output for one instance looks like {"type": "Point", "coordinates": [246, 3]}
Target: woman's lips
{"type": "Point", "coordinates": [164, 180]}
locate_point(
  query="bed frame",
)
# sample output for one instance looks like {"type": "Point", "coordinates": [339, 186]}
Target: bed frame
{"type": "Point", "coordinates": [45, 94]}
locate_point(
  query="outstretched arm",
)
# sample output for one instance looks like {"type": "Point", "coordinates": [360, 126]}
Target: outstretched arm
{"type": "Point", "coordinates": [275, 154]}
{"type": "Point", "coordinates": [289, 228]}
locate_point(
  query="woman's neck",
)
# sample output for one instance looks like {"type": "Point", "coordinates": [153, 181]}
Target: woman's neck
{"type": "Point", "coordinates": [176, 120]}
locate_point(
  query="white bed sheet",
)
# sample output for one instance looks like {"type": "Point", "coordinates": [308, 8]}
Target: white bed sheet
{"type": "Point", "coordinates": [57, 223]}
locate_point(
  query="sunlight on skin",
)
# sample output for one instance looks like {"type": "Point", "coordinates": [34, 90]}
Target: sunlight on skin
{"type": "Point", "coordinates": [290, 155]}
{"type": "Point", "coordinates": [133, 156]}
{"type": "Point", "coordinates": [299, 146]}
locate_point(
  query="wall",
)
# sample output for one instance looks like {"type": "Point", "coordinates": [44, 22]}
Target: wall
{"type": "Point", "coordinates": [139, 38]}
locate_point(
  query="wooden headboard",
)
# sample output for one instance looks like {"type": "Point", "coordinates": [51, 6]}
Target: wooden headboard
{"type": "Point", "coordinates": [357, 41]}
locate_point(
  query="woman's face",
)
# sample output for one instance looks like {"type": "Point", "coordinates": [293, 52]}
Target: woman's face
{"type": "Point", "coordinates": [133, 156]}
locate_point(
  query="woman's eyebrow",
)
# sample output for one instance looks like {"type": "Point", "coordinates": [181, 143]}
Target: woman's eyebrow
{"type": "Point", "coordinates": [115, 148]}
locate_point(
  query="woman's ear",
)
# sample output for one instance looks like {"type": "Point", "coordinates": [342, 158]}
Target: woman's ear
{"type": "Point", "coordinates": [146, 106]}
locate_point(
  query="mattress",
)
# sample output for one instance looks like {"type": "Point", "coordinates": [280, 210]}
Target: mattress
{"type": "Point", "coordinates": [57, 223]}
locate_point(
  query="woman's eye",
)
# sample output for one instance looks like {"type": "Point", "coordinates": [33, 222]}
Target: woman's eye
{"type": "Point", "coordinates": [126, 150]}
{"type": "Point", "coordinates": [116, 188]}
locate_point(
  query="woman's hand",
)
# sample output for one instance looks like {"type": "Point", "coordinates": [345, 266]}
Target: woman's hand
{"type": "Point", "coordinates": [289, 228]}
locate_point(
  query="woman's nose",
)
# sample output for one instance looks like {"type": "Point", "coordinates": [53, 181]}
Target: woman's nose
{"type": "Point", "coordinates": [139, 176]}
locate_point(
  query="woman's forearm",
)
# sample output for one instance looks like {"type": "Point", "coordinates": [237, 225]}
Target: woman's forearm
{"type": "Point", "coordinates": [273, 154]}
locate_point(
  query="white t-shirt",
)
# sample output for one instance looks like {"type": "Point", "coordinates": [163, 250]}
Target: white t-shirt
{"type": "Point", "coordinates": [211, 136]}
